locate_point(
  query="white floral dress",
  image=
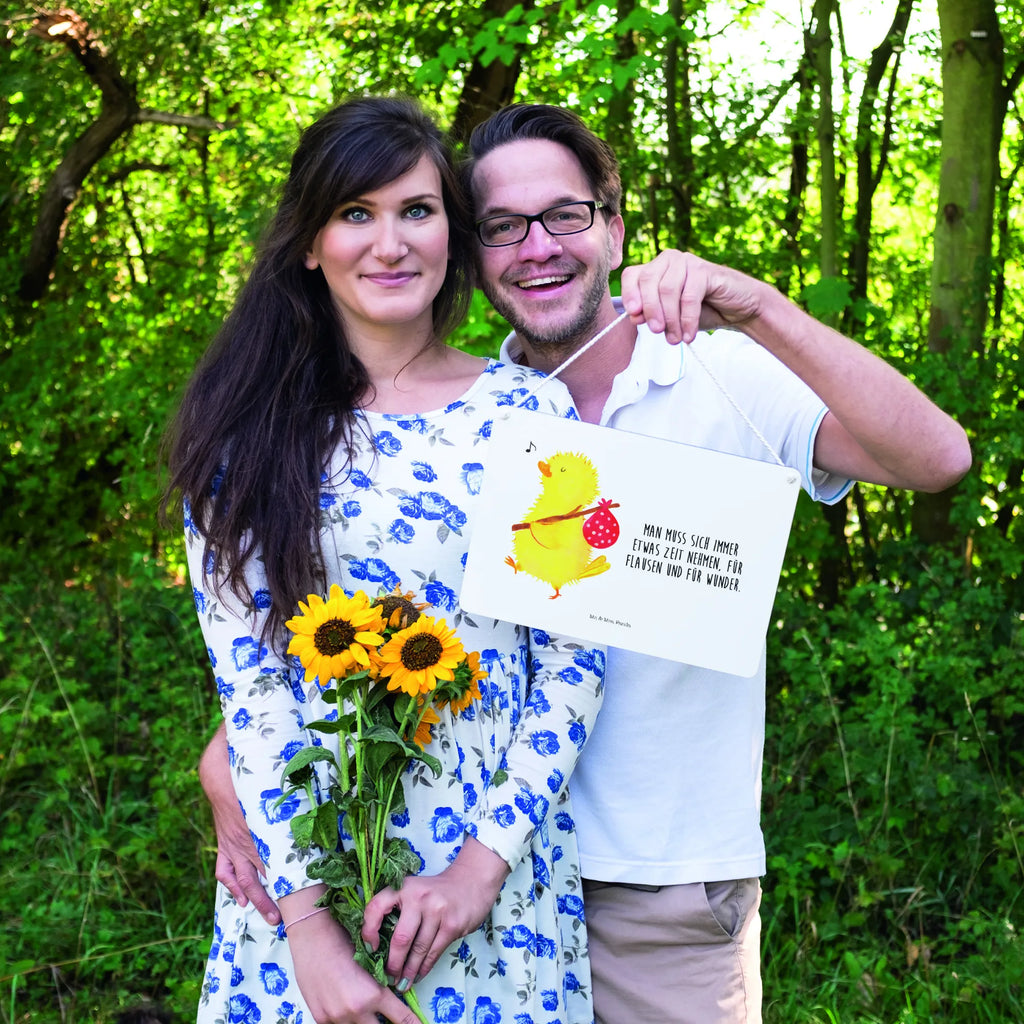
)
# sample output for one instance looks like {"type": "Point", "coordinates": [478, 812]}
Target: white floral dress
{"type": "Point", "coordinates": [402, 516]}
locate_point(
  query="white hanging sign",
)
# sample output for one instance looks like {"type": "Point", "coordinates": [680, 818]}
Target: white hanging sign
{"type": "Point", "coordinates": [630, 541]}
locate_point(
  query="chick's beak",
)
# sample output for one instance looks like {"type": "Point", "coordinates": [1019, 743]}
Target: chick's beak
{"type": "Point", "coordinates": [544, 468]}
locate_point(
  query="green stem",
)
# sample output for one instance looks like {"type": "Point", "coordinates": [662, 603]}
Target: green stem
{"type": "Point", "coordinates": [381, 824]}
{"type": "Point", "coordinates": [343, 759]}
{"type": "Point", "coordinates": [409, 717]}
{"type": "Point", "coordinates": [414, 1004]}
{"type": "Point", "coordinates": [360, 834]}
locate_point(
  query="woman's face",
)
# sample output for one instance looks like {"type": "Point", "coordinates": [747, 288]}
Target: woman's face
{"type": "Point", "coordinates": [385, 254]}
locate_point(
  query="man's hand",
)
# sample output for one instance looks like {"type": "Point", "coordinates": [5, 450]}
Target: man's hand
{"type": "Point", "coordinates": [238, 864]}
{"type": "Point", "coordinates": [678, 293]}
{"type": "Point", "coordinates": [435, 910]}
{"type": "Point", "coordinates": [880, 428]}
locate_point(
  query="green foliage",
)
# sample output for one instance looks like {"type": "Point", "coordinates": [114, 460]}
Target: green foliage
{"type": "Point", "coordinates": [892, 770]}
{"type": "Point", "coordinates": [892, 807]}
{"type": "Point", "coordinates": [105, 841]}
{"type": "Point", "coordinates": [827, 298]}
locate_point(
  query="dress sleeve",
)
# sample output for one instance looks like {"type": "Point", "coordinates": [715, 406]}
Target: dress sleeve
{"type": "Point", "coordinates": [263, 703]}
{"type": "Point", "coordinates": [566, 686]}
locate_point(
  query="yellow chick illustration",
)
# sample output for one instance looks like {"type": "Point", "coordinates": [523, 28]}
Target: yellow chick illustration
{"type": "Point", "coordinates": [550, 544]}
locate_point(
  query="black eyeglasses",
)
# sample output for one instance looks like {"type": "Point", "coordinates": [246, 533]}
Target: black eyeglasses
{"type": "Point", "coordinates": [564, 219]}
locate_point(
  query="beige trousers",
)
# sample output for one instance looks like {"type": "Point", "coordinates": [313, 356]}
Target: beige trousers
{"type": "Point", "coordinates": [675, 954]}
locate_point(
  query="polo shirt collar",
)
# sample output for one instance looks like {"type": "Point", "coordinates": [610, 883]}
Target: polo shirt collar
{"type": "Point", "coordinates": [654, 361]}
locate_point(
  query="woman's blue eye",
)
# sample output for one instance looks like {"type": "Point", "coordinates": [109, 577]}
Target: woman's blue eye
{"type": "Point", "coordinates": [355, 215]}
{"type": "Point", "coordinates": [419, 211]}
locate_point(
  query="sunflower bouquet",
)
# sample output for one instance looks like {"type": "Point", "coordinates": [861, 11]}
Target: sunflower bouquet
{"type": "Point", "coordinates": [390, 669]}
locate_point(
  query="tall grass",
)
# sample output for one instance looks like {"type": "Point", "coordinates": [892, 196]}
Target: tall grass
{"type": "Point", "coordinates": [105, 877]}
{"type": "Point", "coordinates": [894, 810]}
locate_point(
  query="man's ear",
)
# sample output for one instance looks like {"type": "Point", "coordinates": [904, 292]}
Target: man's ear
{"type": "Point", "coordinates": [616, 236]}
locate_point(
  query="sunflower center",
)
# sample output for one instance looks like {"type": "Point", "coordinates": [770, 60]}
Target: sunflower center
{"type": "Point", "coordinates": [421, 651]}
{"type": "Point", "coordinates": [391, 603]}
{"type": "Point", "coordinates": [334, 636]}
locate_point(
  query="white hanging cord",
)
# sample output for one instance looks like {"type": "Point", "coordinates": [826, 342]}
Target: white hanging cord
{"type": "Point", "coordinates": [558, 369]}
{"type": "Point", "coordinates": [732, 401]}
{"type": "Point", "coordinates": [691, 351]}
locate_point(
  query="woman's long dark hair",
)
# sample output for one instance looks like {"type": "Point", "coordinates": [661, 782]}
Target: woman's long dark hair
{"type": "Point", "coordinates": [276, 392]}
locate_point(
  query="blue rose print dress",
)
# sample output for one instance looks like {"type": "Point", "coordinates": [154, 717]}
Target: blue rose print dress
{"type": "Point", "coordinates": [402, 516]}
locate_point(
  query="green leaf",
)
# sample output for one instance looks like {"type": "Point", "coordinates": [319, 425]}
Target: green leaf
{"type": "Point", "coordinates": [370, 960]}
{"type": "Point", "coordinates": [382, 733]}
{"type": "Point", "coordinates": [351, 919]}
{"type": "Point", "coordinates": [397, 801]}
{"type": "Point", "coordinates": [452, 55]}
{"type": "Point", "coordinates": [429, 760]}
{"type": "Point", "coordinates": [325, 829]}
{"type": "Point", "coordinates": [622, 76]}
{"type": "Point", "coordinates": [347, 803]}
{"type": "Point", "coordinates": [483, 38]}
{"type": "Point", "coordinates": [828, 297]}
{"type": "Point", "coordinates": [302, 826]}
{"type": "Point", "coordinates": [330, 726]}
{"type": "Point", "coordinates": [384, 764]}
{"type": "Point", "coordinates": [398, 861]}
{"type": "Point", "coordinates": [338, 869]}
{"type": "Point", "coordinates": [372, 963]}
{"type": "Point", "coordinates": [382, 700]}
{"type": "Point", "coordinates": [298, 769]}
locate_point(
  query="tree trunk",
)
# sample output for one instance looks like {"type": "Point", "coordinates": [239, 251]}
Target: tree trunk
{"type": "Point", "coordinates": [818, 43]}
{"type": "Point", "coordinates": [973, 107]}
{"type": "Point", "coordinates": [679, 132]}
{"type": "Point", "coordinates": [1004, 205]}
{"type": "Point", "coordinates": [619, 132]}
{"type": "Point", "coordinates": [799, 177]}
{"type": "Point", "coordinates": [869, 172]}
{"type": "Point", "coordinates": [486, 89]}
{"type": "Point", "coordinates": [819, 53]}
{"type": "Point", "coordinates": [119, 113]}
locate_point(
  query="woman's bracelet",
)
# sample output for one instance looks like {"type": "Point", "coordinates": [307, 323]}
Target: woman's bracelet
{"type": "Point", "coordinates": [305, 917]}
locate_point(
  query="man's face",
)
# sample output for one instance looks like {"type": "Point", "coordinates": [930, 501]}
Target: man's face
{"type": "Point", "coordinates": [552, 289]}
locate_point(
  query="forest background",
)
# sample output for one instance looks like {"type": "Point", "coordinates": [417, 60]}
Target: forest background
{"type": "Point", "coordinates": [865, 157]}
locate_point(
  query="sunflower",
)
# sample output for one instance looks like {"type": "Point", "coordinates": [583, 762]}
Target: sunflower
{"type": "Point", "coordinates": [472, 691]}
{"type": "Point", "coordinates": [399, 610]}
{"type": "Point", "coordinates": [424, 734]}
{"type": "Point", "coordinates": [331, 637]}
{"type": "Point", "coordinates": [417, 657]}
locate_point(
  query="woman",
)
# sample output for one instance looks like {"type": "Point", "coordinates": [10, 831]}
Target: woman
{"type": "Point", "coordinates": [330, 436]}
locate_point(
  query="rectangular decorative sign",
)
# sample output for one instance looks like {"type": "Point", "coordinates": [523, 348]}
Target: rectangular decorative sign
{"type": "Point", "coordinates": [629, 541]}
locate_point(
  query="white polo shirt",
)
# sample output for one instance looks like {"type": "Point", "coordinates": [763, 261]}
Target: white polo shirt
{"type": "Point", "coordinates": [668, 789]}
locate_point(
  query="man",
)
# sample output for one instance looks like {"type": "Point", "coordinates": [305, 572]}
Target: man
{"type": "Point", "coordinates": [667, 791]}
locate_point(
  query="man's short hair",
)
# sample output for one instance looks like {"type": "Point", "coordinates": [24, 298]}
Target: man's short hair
{"type": "Point", "coordinates": [520, 121]}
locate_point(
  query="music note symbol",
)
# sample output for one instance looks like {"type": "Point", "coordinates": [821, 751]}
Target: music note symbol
{"type": "Point", "coordinates": [531, 448]}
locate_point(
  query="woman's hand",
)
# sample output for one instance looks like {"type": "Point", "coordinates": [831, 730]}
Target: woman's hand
{"type": "Point", "coordinates": [435, 910]}
{"type": "Point", "coordinates": [335, 988]}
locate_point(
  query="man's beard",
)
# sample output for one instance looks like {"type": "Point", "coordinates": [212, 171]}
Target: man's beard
{"type": "Point", "coordinates": [566, 337]}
